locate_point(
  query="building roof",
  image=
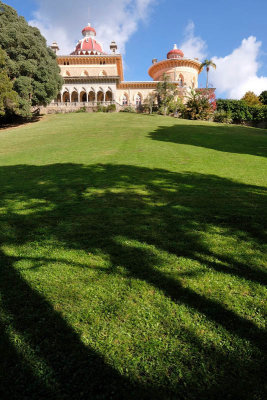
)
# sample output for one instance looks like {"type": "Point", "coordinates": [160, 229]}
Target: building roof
{"type": "Point", "coordinates": [175, 53]}
{"type": "Point", "coordinates": [88, 45]}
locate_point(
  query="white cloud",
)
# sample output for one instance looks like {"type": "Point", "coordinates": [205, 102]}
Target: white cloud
{"type": "Point", "coordinates": [193, 46]}
{"type": "Point", "coordinates": [63, 20]}
{"type": "Point", "coordinates": [237, 72]}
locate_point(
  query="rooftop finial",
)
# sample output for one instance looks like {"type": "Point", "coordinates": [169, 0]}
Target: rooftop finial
{"type": "Point", "coordinates": [89, 24]}
{"type": "Point", "coordinates": [175, 47]}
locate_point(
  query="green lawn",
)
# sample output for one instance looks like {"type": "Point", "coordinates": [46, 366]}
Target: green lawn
{"type": "Point", "coordinates": [132, 259]}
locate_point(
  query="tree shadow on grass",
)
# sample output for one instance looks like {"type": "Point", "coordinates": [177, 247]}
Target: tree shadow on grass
{"type": "Point", "coordinates": [112, 208]}
{"type": "Point", "coordinates": [225, 138]}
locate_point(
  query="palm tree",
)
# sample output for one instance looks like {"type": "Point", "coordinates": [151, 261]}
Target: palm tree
{"type": "Point", "coordinates": [208, 64]}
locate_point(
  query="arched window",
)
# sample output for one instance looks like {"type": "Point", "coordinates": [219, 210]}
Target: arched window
{"type": "Point", "coordinates": [83, 97]}
{"type": "Point", "coordinates": [125, 100]}
{"type": "Point", "coordinates": [74, 97]}
{"type": "Point", "coordinates": [91, 96]}
{"type": "Point", "coordinates": [100, 96]}
{"type": "Point", "coordinates": [181, 80]}
{"type": "Point", "coordinates": [109, 95]}
{"type": "Point", "coordinates": [138, 100]}
{"type": "Point", "coordinates": [66, 97]}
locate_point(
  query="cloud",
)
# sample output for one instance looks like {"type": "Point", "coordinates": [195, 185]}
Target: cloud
{"type": "Point", "coordinates": [237, 72]}
{"type": "Point", "coordinates": [193, 46]}
{"type": "Point", "coordinates": [63, 20]}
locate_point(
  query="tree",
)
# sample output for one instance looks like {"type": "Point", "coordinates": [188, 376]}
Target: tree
{"type": "Point", "coordinates": [8, 97]}
{"type": "Point", "coordinates": [207, 64]}
{"type": "Point", "coordinates": [149, 102]}
{"type": "Point", "coordinates": [166, 92]}
{"type": "Point", "coordinates": [30, 63]}
{"type": "Point", "coordinates": [251, 99]}
{"type": "Point", "coordinates": [263, 97]}
{"type": "Point", "coordinates": [199, 105]}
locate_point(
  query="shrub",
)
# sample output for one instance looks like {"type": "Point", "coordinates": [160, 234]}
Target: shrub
{"type": "Point", "coordinates": [176, 107]}
{"type": "Point", "coordinates": [101, 108]}
{"type": "Point", "coordinates": [111, 108]}
{"type": "Point", "coordinates": [241, 112]}
{"type": "Point", "coordinates": [129, 109]}
{"type": "Point", "coordinates": [81, 110]}
{"type": "Point", "coordinates": [199, 105]}
{"type": "Point", "coordinates": [224, 117]}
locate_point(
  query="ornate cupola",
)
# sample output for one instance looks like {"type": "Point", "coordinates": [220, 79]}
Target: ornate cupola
{"type": "Point", "coordinates": [88, 45]}
{"type": "Point", "coordinates": [175, 53]}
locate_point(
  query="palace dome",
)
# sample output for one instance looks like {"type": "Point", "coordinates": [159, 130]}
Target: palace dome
{"type": "Point", "coordinates": [175, 53]}
{"type": "Point", "coordinates": [88, 45]}
{"type": "Point", "coordinates": [88, 29]}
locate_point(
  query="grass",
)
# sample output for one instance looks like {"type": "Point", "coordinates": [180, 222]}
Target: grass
{"type": "Point", "coordinates": [133, 259]}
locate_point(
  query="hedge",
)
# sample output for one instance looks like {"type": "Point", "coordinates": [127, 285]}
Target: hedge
{"type": "Point", "coordinates": [241, 112]}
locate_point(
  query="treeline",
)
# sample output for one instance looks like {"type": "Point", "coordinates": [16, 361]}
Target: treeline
{"type": "Point", "coordinates": [29, 74]}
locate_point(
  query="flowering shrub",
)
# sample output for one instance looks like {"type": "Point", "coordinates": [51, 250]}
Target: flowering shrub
{"type": "Point", "coordinates": [200, 104]}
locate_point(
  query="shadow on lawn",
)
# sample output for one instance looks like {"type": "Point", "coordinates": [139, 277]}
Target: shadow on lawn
{"type": "Point", "coordinates": [227, 138]}
{"type": "Point", "coordinates": [91, 208]}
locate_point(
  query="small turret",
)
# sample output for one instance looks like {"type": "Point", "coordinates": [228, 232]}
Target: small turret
{"type": "Point", "coordinates": [55, 47]}
{"type": "Point", "coordinates": [113, 47]}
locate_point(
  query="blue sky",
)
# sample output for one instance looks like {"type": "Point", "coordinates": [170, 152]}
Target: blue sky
{"type": "Point", "coordinates": [230, 31]}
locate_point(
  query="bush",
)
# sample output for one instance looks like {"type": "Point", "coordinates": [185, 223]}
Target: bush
{"type": "Point", "coordinates": [129, 109]}
{"type": "Point", "coordinates": [111, 108]}
{"type": "Point", "coordinates": [101, 108]}
{"type": "Point", "coordinates": [241, 112]}
{"type": "Point", "coordinates": [177, 108]}
{"type": "Point", "coordinates": [81, 110]}
{"type": "Point", "coordinates": [199, 105]}
{"type": "Point", "coordinates": [224, 117]}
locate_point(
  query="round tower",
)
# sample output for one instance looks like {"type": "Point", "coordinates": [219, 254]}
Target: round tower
{"type": "Point", "coordinates": [180, 69]}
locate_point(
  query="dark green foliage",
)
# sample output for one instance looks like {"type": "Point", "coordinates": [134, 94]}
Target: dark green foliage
{"type": "Point", "coordinates": [111, 108]}
{"type": "Point", "coordinates": [8, 97]}
{"type": "Point", "coordinates": [224, 117]}
{"type": "Point", "coordinates": [30, 62]}
{"type": "Point", "coordinates": [263, 97]}
{"type": "Point", "coordinates": [241, 112]}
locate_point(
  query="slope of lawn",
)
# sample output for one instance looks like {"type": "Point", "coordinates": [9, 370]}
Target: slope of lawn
{"type": "Point", "coordinates": [132, 259]}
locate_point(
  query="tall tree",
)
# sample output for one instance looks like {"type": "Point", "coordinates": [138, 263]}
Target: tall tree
{"type": "Point", "coordinates": [251, 99]}
{"type": "Point", "coordinates": [166, 92]}
{"type": "Point", "coordinates": [150, 101]}
{"type": "Point", "coordinates": [30, 63]}
{"type": "Point", "coordinates": [8, 97]}
{"type": "Point", "coordinates": [207, 64]}
{"type": "Point", "coordinates": [263, 97]}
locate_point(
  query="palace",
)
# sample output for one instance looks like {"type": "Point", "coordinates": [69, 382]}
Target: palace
{"type": "Point", "coordinates": [92, 76]}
